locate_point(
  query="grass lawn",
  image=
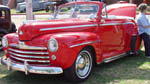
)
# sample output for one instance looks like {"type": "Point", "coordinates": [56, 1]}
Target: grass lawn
{"type": "Point", "coordinates": [128, 70]}
{"type": "Point", "coordinates": [13, 11]}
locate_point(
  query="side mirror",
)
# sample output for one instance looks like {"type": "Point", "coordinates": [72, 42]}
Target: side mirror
{"type": "Point", "coordinates": [93, 16]}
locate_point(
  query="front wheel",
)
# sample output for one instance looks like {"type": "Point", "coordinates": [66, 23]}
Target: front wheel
{"type": "Point", "coordinates": [82, 67]}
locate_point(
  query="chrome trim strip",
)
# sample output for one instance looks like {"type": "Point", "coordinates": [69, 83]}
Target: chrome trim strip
{"type": "Point", "coordinates": [129, 23]}
{"type": "Point", "coordinates": [28, 60]}
{"type": "Point", "coordinates": [117, 24]}
{"type": "Point", "coordinates": [84, 43]}
{"type": "Point", "coordinates": [115, 57]}
{"type": "Point", "coordinates": [134, 34]}
{"type": "Point", "coordinates": [28, 56]}
{"type": "Point", "coordinates": [27, 52]}
{"type": "Point", "coordinates": [24, 46]}
{"type": "Point", "coordinates": [67, 27]}
{"type": "Point", "coordinates": [110, 24]}
{"type": "Point", "coordinates": [120, 17]}
{"type": "Point", "coordinates": [32, 69]}
{"type": "Point", "coordinates": [29, 21]}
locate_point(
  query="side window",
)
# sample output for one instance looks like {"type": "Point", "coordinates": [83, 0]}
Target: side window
{"type": "Point", "coordinates": [2, 14]}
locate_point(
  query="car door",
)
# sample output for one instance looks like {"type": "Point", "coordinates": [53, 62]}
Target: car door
{"type": "Point", "coordinates": [111, 34]}
{"type": "Point", "coordinates": [112, 29]}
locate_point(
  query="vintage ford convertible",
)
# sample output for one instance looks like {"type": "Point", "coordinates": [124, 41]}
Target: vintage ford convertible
{"type": "Point", "coordinates": [79, 35]}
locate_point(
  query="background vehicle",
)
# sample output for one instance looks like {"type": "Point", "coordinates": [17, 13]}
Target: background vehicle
{"type": "Point", "coordinates": [19, 1]}
{"type": "Point", "coordinates": [79, 35]}
{"type": "Point", "coordinates": [56, 4]}
{"type": "Point", "coordinates": [36, 4]}
{"type": "Point", "coordinates": [6, 26]}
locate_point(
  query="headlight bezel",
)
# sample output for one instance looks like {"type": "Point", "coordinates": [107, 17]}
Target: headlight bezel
{"type": "Point", "coordinates": [4, 42]}
{"type": "Point", "coordinates": [53, 45]}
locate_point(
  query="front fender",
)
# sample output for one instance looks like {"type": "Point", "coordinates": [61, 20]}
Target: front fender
{"type": "Point", "coordinates": [70, 44]}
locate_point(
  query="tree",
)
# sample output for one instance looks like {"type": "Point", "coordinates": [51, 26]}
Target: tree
{"type": "Point", "coordinates": [11, 3]}
{"type": "Point", "coordinates": [130, 1]}
{"type": "Point", "coordinates": [29, 14]}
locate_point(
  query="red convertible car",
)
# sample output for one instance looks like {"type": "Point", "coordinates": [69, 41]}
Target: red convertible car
{"type": "Point", "coordinates": [79, 35]}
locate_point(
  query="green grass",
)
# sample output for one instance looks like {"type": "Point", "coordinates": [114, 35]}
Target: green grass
{"type": "Point", "coordinates": [128, 70]}
{"type": "Point", "coordinates": [13, 11]}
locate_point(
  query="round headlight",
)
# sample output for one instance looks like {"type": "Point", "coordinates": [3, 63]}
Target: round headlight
{"type": "Point", "coordinates": [4, 42]}
{"type": "Point", "coordinates": [53, 45]}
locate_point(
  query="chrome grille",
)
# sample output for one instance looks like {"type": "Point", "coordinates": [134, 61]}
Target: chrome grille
{"type": "Point", "coordinates": [28, 60]}
{"type": "Point", "coordinates": [27, 52]}
{"type": "Point", "coordinates": [30, 56]}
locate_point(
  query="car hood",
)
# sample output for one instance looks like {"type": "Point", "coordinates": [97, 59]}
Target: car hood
{"type": "Point", "coordinates": [122, 9]}
{"type": "Point", "coordinates": [31, 30]}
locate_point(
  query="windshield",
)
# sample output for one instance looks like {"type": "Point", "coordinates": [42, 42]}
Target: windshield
{"type": "Point", "coordinates": [81, 11]}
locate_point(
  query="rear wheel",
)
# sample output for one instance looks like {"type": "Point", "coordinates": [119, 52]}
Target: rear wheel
{"type": "Point", "coordinates": [13, 28]}
{"type": "Point", "coordinates": [82, 67]}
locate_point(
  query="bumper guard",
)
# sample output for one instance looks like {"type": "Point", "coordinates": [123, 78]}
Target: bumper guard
{"type": "Point", "coordinates": [30, 69]}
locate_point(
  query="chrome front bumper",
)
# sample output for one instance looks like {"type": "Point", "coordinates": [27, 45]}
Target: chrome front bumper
{"type": "Point", "coordinates": [30, 69]}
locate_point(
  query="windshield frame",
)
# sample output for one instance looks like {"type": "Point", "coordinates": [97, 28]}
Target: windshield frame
{"type": "Point", "coordinates": [100, 4]}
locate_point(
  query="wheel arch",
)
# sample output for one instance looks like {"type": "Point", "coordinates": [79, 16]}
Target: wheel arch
{"type": "Point", "coordinates": [72, 76]}
{"type": "Point", "coordinates": [92, 51]}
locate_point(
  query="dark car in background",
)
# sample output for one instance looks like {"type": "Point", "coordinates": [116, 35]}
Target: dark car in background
{"type": "Point", "coordinates": [36, 5]}
{"type": "Point", "coordinates": [6, 25]}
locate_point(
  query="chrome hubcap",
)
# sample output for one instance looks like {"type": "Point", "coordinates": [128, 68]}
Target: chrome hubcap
{"type": "Point", "coordinates": [83, 64]}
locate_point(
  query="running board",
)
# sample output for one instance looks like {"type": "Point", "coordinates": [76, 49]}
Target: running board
{"type": "Point", "coordinates": [114, 57]}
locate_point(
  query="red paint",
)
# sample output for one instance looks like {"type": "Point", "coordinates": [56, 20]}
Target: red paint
{"type": "Point", "coordinates": [122, 9]}
{"type": "Point", "coordinates": [115, 38]}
